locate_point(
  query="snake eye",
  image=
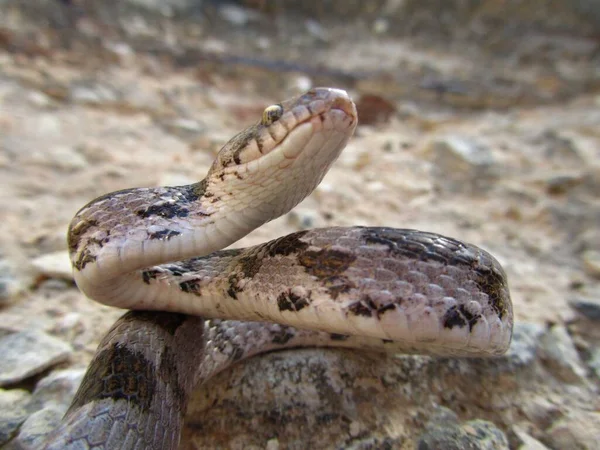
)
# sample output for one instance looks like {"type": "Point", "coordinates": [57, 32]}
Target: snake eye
{"type": "Point", "coordinates": [271, 114]}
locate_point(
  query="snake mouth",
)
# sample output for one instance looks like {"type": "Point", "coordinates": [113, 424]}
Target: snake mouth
{"type": "Point", "coordinates": [320, 107]}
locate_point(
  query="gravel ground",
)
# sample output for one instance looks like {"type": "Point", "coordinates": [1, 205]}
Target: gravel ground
{"type": "Point", "coordinates": [515, 171]}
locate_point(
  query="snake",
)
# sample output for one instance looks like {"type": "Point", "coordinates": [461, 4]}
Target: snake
{"type": "Point", "coordinates": [197, 307]}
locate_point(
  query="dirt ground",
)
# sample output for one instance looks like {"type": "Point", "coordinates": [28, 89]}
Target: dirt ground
{"type": "Point", "coordinates": [518, 177]}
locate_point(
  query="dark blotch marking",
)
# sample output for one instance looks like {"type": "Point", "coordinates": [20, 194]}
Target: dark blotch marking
{"type": "Point", "coordinates": [85, 257]}
{"type": "Point", "coordinates": [233, 288]}
{"type": "Point", "coordinates": [338, 337]}
{"type": "Point", "coordinates": [288, 301]}
{"type": "Point", "coordinates": [283, 336]}
{"type": "Point", "coordinates": [167, 210]}
{"type": "Point", "coordinates": [168, 322]}
{"type": "Point", "coordinates": [191, 287]}
{"type": "Point", "coordinates": [76, 233]}
{"type": "Point", "coordinates": [460, 317]}
{"type": "Point", "coordinates": [118, 373]}
{"type": "Point", "coordinates": [326, 263]}
{"type": "Point", "coordinates": [383, 309]}
{"type": "Point", "coordinates": [164, 235]}
{"type": "Point", "coordinates": [338, 285]}
{"type": "Point", "coordinates": [150, 274]}
{"type": "Point", "coordinates": [360, 309]}
{"type": "Point", "coordinates": [424, 246]}
{"type": "Point", "coordinates": [193, 192]}
{"type": "Point", "coordinates": [287, 245]}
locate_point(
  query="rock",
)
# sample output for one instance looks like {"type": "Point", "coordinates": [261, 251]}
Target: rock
{"type": "Point", "coordinates": [92, 93]}
{"type": "Point", "coordinates": [302, 219]}
{"type": "Point", "coordinates": [28, 353]}
{"type": "Point", "coordinates": [236, 15]}
{"type": "Point", "coordinates": [10, 284]}
{"type": "Point", "coordinates": [58, 387]}
{"type": "Point", "coordinates": [578, 430]}
{"type": "Point", "coordinates": [461, 165]}
{"type": "Point", "coordinates": [37, 426]}
{"type": "Point", "coordinates": [540, 411]}
{"type": "Point", "coordinates": [13, 412]}
{"type": "Point", "coordinates": [527, 442]}
{"type": "Point", "coordinates": [588, 307]}
{"type": "Point", "coordinates": [560, 354]}
{"type": "Point", "coordinates": [594, 362]}
{"type": "Point", "coordinates": [524, 345]}
{"type": "Point", "coordinates": [54, 265]}
{"type": "Point", "coordinates": [591, 262]}
{"type": "Point", "coordinates": [444, 431]}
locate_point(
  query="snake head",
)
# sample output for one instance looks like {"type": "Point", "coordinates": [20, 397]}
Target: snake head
{"type": "Point", "coordinates": [287, 152]}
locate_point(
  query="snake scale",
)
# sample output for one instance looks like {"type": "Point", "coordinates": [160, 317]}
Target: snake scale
{"type": "Point", "coordinates": [200, 308]}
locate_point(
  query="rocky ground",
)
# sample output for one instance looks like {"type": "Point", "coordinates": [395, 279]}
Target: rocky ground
{"type": "Point", "coordinates": [494, 142]}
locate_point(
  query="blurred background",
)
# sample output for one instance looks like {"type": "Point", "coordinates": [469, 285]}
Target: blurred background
{"type": "Point", "coordinates": [478, 119]}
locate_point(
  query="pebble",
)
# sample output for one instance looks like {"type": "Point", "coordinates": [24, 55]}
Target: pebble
{"type": "Point", "coordinates": [302, 219]}
{"type": "Point", "coordinates": [527, 442]}
{"type": "Point", "coordinates": [10, 284]}
{"type": "Point", "coordinates": [591, 262]}
{"type": "Point", "coordinates": [27, 353]}
{"type": "Point", "coordinates": [444, 431]}
{"type": "Point", "coordinates": [588, 307]}
{"type": "Point", "coordinates": [594, 362]}
{"type": "Point", "coordinates": [34, 430]}
{"type": "Point", "coordinates": [578, 430]}
{"type": "Point", "coordinates": [92, 94]}
{"type": "Point", "coordinates": [58, 387]}
{"type": "Point", "coordinates": [54, 265]}
{"type": "Point", "coordinates": [524, 345]}
{"type": "Point", "coordinates": [13, 412]}
{"type": "Point", "coordinates": [561, 356]}
{"type": "Point", "coordinates": [462, 165]}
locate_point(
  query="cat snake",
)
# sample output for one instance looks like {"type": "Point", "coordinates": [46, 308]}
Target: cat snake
{"type": "Point", "coordinates": [198, 309]}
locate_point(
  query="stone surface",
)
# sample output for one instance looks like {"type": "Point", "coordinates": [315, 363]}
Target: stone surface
{"type": "Point", "coordinates": [591, 262]}
{"type": "Point", "coordinates": [527, 442]}
{"type": "Point", "coordinates": [461, 165]}
{"type": "Point", "coordinates": [36, 427]}
{"type": "Point", "coordinates": [58, 387]}
{"type": "Point", "coordinates": [100, 96]}
{"type": "Point", "coordinates": [28, 353]}
{"type": "Point", "coordinates": [589, 307]}
{"type": "Point", "coordinates": [13, 412]}
{"type": "Point", "coordinates": [445, 431]}
{"type": "Point", "coordinates": [579, 430]}
{"type": "Point", "coordinates": [560, 354]}
{"type": "Point", "coordinates": [54, 265]}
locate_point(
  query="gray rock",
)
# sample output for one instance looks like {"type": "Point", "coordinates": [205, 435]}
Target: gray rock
{"type": "Point", "coordinates": [524, 345]}
{"type": "Point", "coordinates": [37, 426]}
{"type": "Point", "coordinates": [58, 387]}
{"type": "Point", "coordinates": [578, 430]}
{"type": "Point", "coordinates": [594, 362]}
{"type": "Point", "coordinates": [27, 353]}
{"type": "Point", "coordinates": [54, 265]}
{"type": "Point", "coordinates": [10, 284]}
{"type": "Point", "coordinates": [560, 355]}
{"type": "Point", "coordinates": [13, 412]}
{"type": "Point", "coordinates": [461, 165]}
{"type": "Point", "coordinates": [588, 307]}
{"type": "Point", "coordinates": [527, 442]}
{"type": "Point", "coordinates": [92, 93]}
{"type": "Point", "coordinates": [591, 262]}
{"type": "Point", "coordinates": [444, 431]}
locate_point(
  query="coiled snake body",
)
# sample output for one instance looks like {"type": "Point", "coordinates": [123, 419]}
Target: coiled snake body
{"type": "Point", "coordinates": [158, 250]}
